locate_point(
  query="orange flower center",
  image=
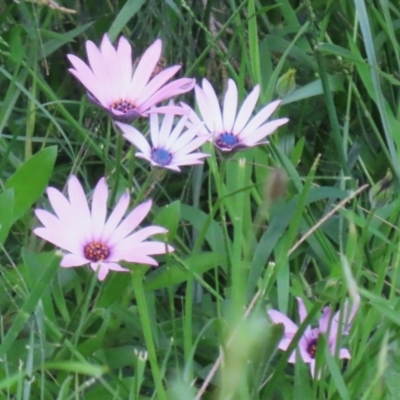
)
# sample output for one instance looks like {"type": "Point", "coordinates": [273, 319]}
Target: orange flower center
{"type": "Point", "coordinates": [96, 251]}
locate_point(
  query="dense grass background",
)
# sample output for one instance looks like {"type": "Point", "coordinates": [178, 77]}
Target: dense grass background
{"type": "Point", "coordinates": [314, 214]}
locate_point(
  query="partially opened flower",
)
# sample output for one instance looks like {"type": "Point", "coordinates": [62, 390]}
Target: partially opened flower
{"type": "Point", "coordinates": [308, 342]}
{"type": "Point", "coordinates": [90, 238]}
{"type": "Point", "coordinates": [112, 84]}
{"type": "Point", "coordinates": [171, 147]}
{"type": "Point", "coordinates": [233, 131]}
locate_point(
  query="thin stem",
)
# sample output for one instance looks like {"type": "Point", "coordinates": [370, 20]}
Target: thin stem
{"type": "Point", "coordinates": [118, 158]}
{"type": "Point", "coordinates": [137, 280]}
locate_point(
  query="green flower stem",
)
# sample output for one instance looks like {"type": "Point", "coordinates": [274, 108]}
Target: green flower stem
{"type": "Point", "coordinates": [143, 190]}
{"type": "Point", "coordinates": [118, 158]}
{"type": "Point", "coordinates": [238, 272]}
{"type": "Point", "coordinates": [83, 311]}
{"type": "Point", "coordinates": [137, 280]}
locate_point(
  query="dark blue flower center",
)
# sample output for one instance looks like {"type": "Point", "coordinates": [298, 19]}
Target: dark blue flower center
{"type": "Point", "coordinates": [161, 156]}
{"type": "Point", "coordinates": [226, 140]}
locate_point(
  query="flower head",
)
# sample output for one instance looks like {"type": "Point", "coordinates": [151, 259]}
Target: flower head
{"type": "Point", "coordinates": [308, 342]}
{"type": "Point", "coordinates": [229, 131]}
{"type": "Point", "coordinates": [114, 86]}
{"type": "Point", "coordinates": [90, 238]}
{"type": "Point", "coordinates": [171, 147]}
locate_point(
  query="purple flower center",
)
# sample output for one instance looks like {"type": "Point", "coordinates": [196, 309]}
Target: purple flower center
{"type": "Point", "coordinates": [96, 251]}
{"type": "Point", "coordinates": [161, 156]}
{"type": "Point", "coordinates": [226, 140]}
{"type": "Point", "coordinates": [312, 348]}
{"type": "Point", "coordinates": [123, 106]}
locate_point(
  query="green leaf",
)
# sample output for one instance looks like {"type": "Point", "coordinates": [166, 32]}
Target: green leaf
{"type": "Point", "coordinates": [44, 278]}
{"type": "Point", "coordinates": [77, 367]}
{"type": "Point", "coordinates": [168, 217]}
{"type": "Point", "coordinates": [6, 213]}
{"type": "Point", "coordinates": [172, 275]}
{"type": "Point", "coordinates": [130, 8]}
{"type": "Point", "coordinates": [31, 179]}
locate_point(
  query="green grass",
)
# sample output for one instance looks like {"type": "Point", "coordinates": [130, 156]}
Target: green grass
{"type": "Point", "coordinates": [313, 214]}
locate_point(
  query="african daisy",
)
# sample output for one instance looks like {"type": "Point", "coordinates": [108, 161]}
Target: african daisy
{"type": "Point", "coordinates": [171, 147]}
{"type": "Point", "coordinates": [231, 131]}
{"type": "Point", "coordinates": [308, 341]}
{"type": "Point", "coordinates": [112, 84]}
{"type": "Point", "coordinates": [90, 238]}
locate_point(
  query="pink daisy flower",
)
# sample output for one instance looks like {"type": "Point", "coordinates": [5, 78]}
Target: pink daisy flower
{"type": "Point", "coordinates": [231, 131]}
{"type": "Point", "coordinates": [112, 84]}
{"type": "Point", "coordinates": [171, 147]}
{"type": "Point", "coordinates": [90, 238]}
{"type": "Point", "coordinates": [308, 342]}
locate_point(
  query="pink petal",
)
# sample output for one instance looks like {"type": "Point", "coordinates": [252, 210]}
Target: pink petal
{"type": "Point", "coordinates": [154, 131]}
{"type": "Point", "coordinates": [260, 118]}
{"type": "Point", "coordinates": [155, 84]}
{"type": "Point", "coordinates": [171, 89]}
{"type": "Point", "coordinates": [205, 110]}
{"type": "Point", "coordinates": [251, 138]}
{"type": "Point", "coordinates": [145, 68]}
{"type": "Point", "coordinates": [230, 106]}
{"type": "Point", "coordinates": [141, 235]}
{"type": "Point", "coordinates": [60, 204]}
{"type": "Point", "coordinates": [112, 66]}
{"type": "Point", "coordinates": [85, 75]}
{"type": "Point", "coordinates": [101, 269]}
{"type": "Point", "coordinates": [324, 320]}
{"type": "Point", "coordinates": [190, 159]}
{"type": "Point", "coordinates": [173, 137]}
{"type": "Point", "coordinates": [58, 238]}
{"type": "Point", "coordinates": [124, 55]}
{"type": "Point", "coordinates": [279, 318]}
{"type": "Point", "coordinates": [302, 309]}
{"type": "Point", "coordinates": [344, 353]}
{"type": "Point", "coordinates": [99, 207]}
{"type": "Point", "coordinates": [80, 206]}
{"type": "Point", "coordinates": [176, 110]}
{"type": "Point", "coordinates": [116, 216]}
{"type": "Point", "coordinates": [214, 106]}
{"type": "Point", "coordinates": [133, 219]}
{"type": "Point", "coordinates": [100, 71]}
{"type": "Point", "coordinates": [139, 253]}
{"type": "Point", "coordinates": [193, 145]}
{"type": "Point", "coordinates": [166, 128]}
{"type": "Point", "coordinates": [73, 260]}
{"type": "Point", "coordinates": [116, 267]}
{"type": "Point", "coordinates": [246, 110]}
{"type": "Point", "coordinates": [135, 137]}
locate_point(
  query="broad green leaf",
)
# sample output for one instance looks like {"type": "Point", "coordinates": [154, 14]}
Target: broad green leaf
{"type": "Point", "coordinates": [31, 179]}
{"type": "Point", "coordinates": [168, 217]}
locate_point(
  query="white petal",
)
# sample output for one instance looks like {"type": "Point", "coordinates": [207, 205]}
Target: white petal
{"type": "Point", "coordinates": [133, 219]}
{"type": "Point", "coordinates": [99, 207]}
{"type": "Point", "coordinates": [246, 110]}
{"type": "Point", "coordinates": [230, 106]}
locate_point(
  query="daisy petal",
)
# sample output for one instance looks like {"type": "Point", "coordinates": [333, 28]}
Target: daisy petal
{"type": "Point", "coordinates": [230, 106]}
{"type": "Point", "coordinates": [133, 219]}
{"type": "Point", "coordinates": [73, 260]}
